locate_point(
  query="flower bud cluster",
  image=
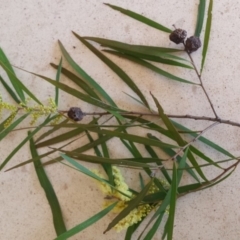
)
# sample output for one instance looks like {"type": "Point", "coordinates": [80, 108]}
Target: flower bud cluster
{"type": "Point", "coordinates": [38, 111]}
{"type": "Point", "coordinates": [138, 213]}
{"type": "Point", "coordinates": [35, 111]}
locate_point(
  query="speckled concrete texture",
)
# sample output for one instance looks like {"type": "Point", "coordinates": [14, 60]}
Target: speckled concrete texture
{"type": "Point", "coordinates": [29, 31]}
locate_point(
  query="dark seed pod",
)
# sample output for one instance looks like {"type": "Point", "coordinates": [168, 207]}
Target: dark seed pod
{"type": "Point", "coordinates": [75, 114]}
{"type": "Point", "coordinates": [193, 44]}
{"type": "Point", "coordinates": [178, 36]}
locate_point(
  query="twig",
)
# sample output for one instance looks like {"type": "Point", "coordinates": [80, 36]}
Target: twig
{"type": "Point", "coordinates": [193, 140]}
{"type": "Point", "coordinates": [233, 166]}
{"type": "Point", "coordinates": [204, 118]}
{"type": "Point", "coordinates": [201, 82]}
{"type": "Point", "coordinates": [153, 174]}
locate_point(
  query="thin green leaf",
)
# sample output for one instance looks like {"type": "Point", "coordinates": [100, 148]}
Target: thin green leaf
{"type": "Point", "coordinates": [160, 210]}
{"type": "Point", "coordinates": [170, 222]}
{"type": "Point", "coordinates": [177, 137]}
{"type": "Point", "coordinates": [87, 146]}
{"type": "Point", "coordinates": [140, 18]}
{"type": "Point", "coordinates": [81, 149]}
{"type": "Point", "coordinates": [133, 138]}
{"type": "Point", "coordinates": [203, 156]}
{"type": "Point", "coordinates": [60, 138]}
{"type": "Point", "coordinates": [59, 70]}
{"type": "Point", "coordinates": [204, 140]}
{"type": "Point", "coordinates": [107, 167]}
{"type": "Point", "coordinates": [134, 162]}
{"type": "Point", "coordinates": [131, 230]}
{"type": "Point", "coordinates": [31, 160]}
{"type": "Point", "coordinates": [134, 98]}
{"type": "Point", "coordinates": [150, 125]}
{"type": "Point", "coordinates": [181, 166]}
{"type": "Point", "coordinates": [151, 66]}
{"type": "Point", "coordinates": [30, 135]}
{"type": "Point", "coordinates": [137, 155]}
{"type": "Point", "coordinates": [155, 197]}
{"type": "Point", "coordinates": [140, 50]}
{"type": "Point", "coordinates": [81, 168]}
{"type": "Point", "coordinates": [115, 69]}
{"type": "Point", "coordinates": [2, 125]}
{"type": "Point", "coordinates": [85, 76]}
{"type": "Point", "coordinates": [141, 181]}
{"type": "Point", "coordinates": [86, 223]}
{"type": "Point", "coordinates": [164, 58]}
{"type": "Point", "coordinates": [200, 17]}
{"type": "Point", "coordinates": [135, 57]}
{"type": "Point", "coordinates": [207, 34]}
{"type": "Point", "coordinates": [162, 168]}
{"type": "Point", "coordinates": [81, 96]}
{"type": "Point", "coordinates": [20, 85]}
{"type": "Point", "coordinates": [190, 187]}
{"type": "Point", "coordinates": [49, 191]}
{"type": "Point", "coordinates": [132, 204]}
{"type": "Point", "coordinates": [170, 153]}
{"type": "Point", "coordinates": [79, 128]}
{"type": "Point", "coordinates": [78, 81]}
{"type": "Point", "coordinates": [6, 65]}
{"type": "Point", "coordinates": [96, 150]}
{"type": "Point", "coordinates": [220, 180]}
{"type": "Point", "coordinates": [7, 130]}
{"type": "Point", "coordinates": [49, 132]}
{"type": "Point", "coordinates": [154, 228]}
{"type": "Point", "coordinates": [131, 47]}
{"type": "Point", "coordinates": [10, 91]}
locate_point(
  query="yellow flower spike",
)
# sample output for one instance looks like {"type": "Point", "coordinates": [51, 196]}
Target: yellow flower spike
{"type": "Point", "coordinates": [10, 119]}
{"type": "Point", "coordinates": [133, 217]}
{"type": "Point", "coordinates": [165, 184]}
{"type": "Point", "coordinates": [137, 214]}
{"type": "Point", "coordinates": [40, 110]}
{"type": "Point", "coordinates": [56, 120]}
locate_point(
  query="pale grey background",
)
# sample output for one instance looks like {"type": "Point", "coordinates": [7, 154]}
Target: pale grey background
{"type": "Point", "coordinates": [29, 31]}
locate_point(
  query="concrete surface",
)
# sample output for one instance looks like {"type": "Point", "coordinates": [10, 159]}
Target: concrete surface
{"type": "Point", "coordinates": [29, 31]}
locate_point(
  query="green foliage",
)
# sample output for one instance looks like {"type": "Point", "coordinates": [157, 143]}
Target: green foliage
{"type": "Point", "coordinates": [161, 188]}
{"type": "Point", "coordinates": [49, 191]}
{"type": "Point", "coordinates": [200, 18]}
{"type": "Point", "coordinates": [207, 33]}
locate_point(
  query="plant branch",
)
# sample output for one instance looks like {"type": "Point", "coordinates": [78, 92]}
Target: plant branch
{"type": "Point", "coordinates": [226, 170]}
{"type": "Point", "coordinates": [201, 82]}
{"type": "Point", "coordinates": [203, 118]}
{"type": "Point", "coordinates": [193, 140]}
{"type": "Point", "coordinates": [181, 149]}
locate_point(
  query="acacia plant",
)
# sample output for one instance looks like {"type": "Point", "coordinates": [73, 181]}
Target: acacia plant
{"type": "Point", "coordinates": [169, 147]}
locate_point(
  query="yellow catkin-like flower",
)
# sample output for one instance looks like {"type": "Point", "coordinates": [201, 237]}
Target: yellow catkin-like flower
{"type": "Point", "coordinates": [40, 110]}
{"type": "Point", "coordinates": [10, 119]}
{"type": "Point", "coordinates": [6, 106]}
{"type": "Point", "coordinates": [121, 185]}
{"type": "Point", "coordinates": [165, 183]}
{"type": "Point", "coordinates": [35, 111]}
{"type": "Point", "coordinates": [56, 120]}
{"type": "Point", "coordinates": [136, 215]}
{"type": "Point", "coordinates": [104, 187]}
